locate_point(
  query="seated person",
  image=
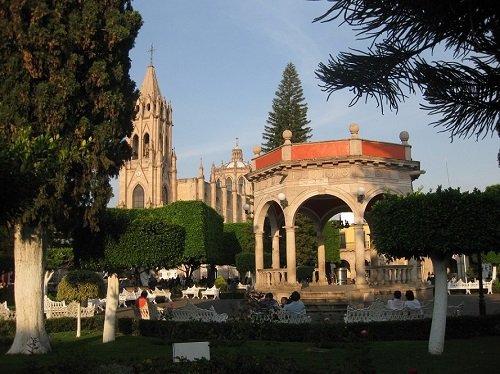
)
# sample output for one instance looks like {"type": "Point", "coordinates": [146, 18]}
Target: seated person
{"type": "Point", "coordinates": [295, 305]}
{"type": "Point", "coordinates": [284, 301]}
{"type": "Point", "coordinates": [142, 301]}
{"type": "Point", "coordinates": [267, 303]}
{"type": "Point", "coordinates": [411, 302]}
{"type": "Point", "coordinates": [396, 302]}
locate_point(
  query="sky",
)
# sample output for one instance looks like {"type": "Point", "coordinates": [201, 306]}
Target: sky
{"type": "Point", "coordinates": [220, 62]}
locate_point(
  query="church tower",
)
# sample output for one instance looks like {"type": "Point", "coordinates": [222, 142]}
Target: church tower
{"type": "Point", "coordinates": [146, 180]}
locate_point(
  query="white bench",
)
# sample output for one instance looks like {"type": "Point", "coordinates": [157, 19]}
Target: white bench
{"type": "Point", "coordinates": [125, 296]}
{"type": "Point", "coordinates": [279, 316]}
{"type": "Point", "coordinates": [51, 306]}
{"type": "Point", "coordinates": [468, 286]}
{"type": "Point", "coordinates": [99, 304]}
{"type": "Point", "coordinates": [193, 291]}
{"type": "Point", "coordinates": [71, 310]}
{"type": "Point", "coordinates": [191, 312]}
{"type": "Point", "coordinates": [5, 312]}
{"type": "Point", "coordinates": [378, 312]}
{"type": "Point", "coordinates": [162, 293]}
{"type": "Point", "coordinates": [241, 286]}
{"type": "Point", "coordinates": [213, 291]}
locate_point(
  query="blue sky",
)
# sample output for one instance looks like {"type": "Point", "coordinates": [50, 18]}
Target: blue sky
{"type": "Point", "coordinates": [220, 62]}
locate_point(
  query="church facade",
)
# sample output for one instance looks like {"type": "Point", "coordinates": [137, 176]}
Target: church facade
{"type": "Point", "coordinates": [149, 178]}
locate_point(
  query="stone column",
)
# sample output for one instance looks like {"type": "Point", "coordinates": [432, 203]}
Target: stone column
{"type": "Point", "coordinates": [259, 257]}
{"type": "Point", "coordinates": [321, 260]}
{"type": "Point", "coordinates": [276, 250]}
{"type": "Point", "coordinates": [224, 202]}
{"type": "Point", "coordinates": [359, 253]}
{"type": "Point", "coordinates": [291, 255]}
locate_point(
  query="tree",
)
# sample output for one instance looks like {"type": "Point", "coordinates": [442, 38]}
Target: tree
{"type": "Point", "coordinates": [464, 90]}
{"type": "Point", "coordinates": [289, 112]}
{"type": "Point", "coordinates": [436, 225]}
{"type": "Point", "coordinates": [147, 242]}
{"type": "Point", "coordinates": [66, 106]}
{"type": "Point", "coordinates": [204, 232]}
{"type": "Point", "coordinates": [238, 237]}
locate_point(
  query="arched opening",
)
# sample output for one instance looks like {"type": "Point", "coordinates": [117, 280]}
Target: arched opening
{"type": "Point", "coordinates": [145, 146]}
{"type": "Point", "coordinates": [135, 147]}
{"type": "Point", "coordinates": [138, 197]}
{"type": "Point", "coordinates": [229, 200]}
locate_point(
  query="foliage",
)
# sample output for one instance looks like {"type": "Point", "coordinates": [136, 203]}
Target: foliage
{"type": "Point", "coordinates": [306, 242]}
{"type": "Point", "coordinates": [332, 242]}
{"type": "Point", "coordinates": [305, 272]}
{"type": "Point", "coordinates": [66, 104]}
{"type": "Point", "coordinates": [463, 90]}
{"type": "Point", "coordinates": [89, 245]}
{"type": "Point", "coordinates": [204, 228]}
{"type": "Point", "coordinates": [6, 248]}
{"type": "Point", "coordinates": [289, 112]}
{"type": "Point", "coordinates": [245, 261]}
{"type": "Point", "coordinates": [221, 283]}
{"type": "Point", "coordinates": [80, 285]}
{"type": "Point", "coordinates": [147, 242]}
{"type": "Point", "coordinates": [240, 235]}
{"type": "Point", "coordinates": [61, 257]}
{"type": "Point", "coordinates": [440, 223]}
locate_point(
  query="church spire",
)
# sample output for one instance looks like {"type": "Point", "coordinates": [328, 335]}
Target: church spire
{"type": "Point", "coordinates": [150, 87]}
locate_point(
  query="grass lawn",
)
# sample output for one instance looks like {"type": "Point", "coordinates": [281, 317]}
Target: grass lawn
{"type": "Point", "coordinates": [71, 355]}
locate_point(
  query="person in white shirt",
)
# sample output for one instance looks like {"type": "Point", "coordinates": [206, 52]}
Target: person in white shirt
{"type": "Point", "coordinates": [295, 305]}
{"type": "Point", "coordinates": [411, 302]}
{"type": "Point", "coordinates": [396, 302]}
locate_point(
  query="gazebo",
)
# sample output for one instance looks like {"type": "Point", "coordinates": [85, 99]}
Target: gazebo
{"type": "Point", "coordinates": [320, 180]}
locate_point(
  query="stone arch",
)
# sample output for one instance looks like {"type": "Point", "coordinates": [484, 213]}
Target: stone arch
{"type": "Point", "coordinates": [145, 145]}
{"type": "Point", "coordinates": [135, 147]}
{"type": "Point", "coordinates": [138, 197]}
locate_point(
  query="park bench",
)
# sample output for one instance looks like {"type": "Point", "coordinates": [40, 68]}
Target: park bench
{"type": "Point", "coordinates": [99, 304]}
{"type": "Point", "coordinates": [191, 312]}
{"type": "Point", "coordinates": [71, 310]}
{"type": "Point", "coordinates": [193, 291]}
{"type": "Point", "coordinates": [162, 293]}
{"type": "Point", "coordinates": [468, 286]}
{"type": "Point", "coordinates": [278, 316]}
{"type": "Point", "coordinates": [378, 312]}
{"type": "Point", "coordinates": [5, 312]}
{"type": "Point", "coordinates": [213, 291]}
{"type": "Point", "coordinates": [125, 296]}
{"type": "Point", "coordinates": [50, 306]}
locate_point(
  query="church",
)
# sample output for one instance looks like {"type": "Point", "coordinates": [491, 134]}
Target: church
{"type": "Point", "coordinates": [149, 178]}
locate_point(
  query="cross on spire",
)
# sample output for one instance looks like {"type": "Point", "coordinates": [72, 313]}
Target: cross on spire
{"type": "Point", "coordinates": [237, 141]}
{"type": "Point", "coordinates": [151, 51]}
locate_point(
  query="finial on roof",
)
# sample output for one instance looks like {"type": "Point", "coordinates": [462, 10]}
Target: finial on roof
{"type": "Point", "coordinates": [151, 51]}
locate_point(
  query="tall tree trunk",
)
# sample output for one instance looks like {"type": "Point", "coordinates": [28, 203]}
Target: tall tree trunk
{"type": "Point", "coordinates": [108, 334]}
{"type": "Point", "coordinates": [46, 279]}
{"type": "Point", "coordinates": [31, 337]}
{"type": "Point", "coordinates": [438, 326]}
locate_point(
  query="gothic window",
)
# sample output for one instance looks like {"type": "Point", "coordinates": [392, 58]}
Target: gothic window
{"type": "Point", "coordinates": [145, 149]}
{"type": "Point", "coordinates": [135, 147]}
{"type": "Point", "coordinates": [218, 196]}
{"type": "Point", "coordinates": [229, 200]}
{"type": "Point", "coordinates": [148, 107]}
{"type": "Point", "coordinates": [138, 197]}
{"type": "Point", "coordinates": [241, 184]}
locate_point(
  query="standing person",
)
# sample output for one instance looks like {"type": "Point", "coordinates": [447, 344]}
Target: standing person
{"type": "Point", "coordinates": [411, 302]}
{"type": "Point", "coordinates": [396, 302]}
{"type": "Point", "coordinates": [295, 305]}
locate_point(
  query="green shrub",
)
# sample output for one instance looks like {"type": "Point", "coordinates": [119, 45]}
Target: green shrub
{"type": "Point", "coordinates": [496, 286]}
{"type": "Point", "coordinates": [221, 283]}
{"type": "Point", "coordinates": [80, 285]}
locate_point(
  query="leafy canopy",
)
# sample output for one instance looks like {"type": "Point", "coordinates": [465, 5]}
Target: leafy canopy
{"type": "Point", "coordinates": [464, 90]}
{"type": "Point", "coordinates": [66, 105]}
{"type": "Point", "coordinates": [436, 224]}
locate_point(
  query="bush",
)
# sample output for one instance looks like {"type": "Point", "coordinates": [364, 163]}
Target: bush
{"type": "Point", "coordinates": [496, 286]}
{"type": "Point", "coordinates": [80, 285]}
{"type": "Point", "coordinates": [221, 283]}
